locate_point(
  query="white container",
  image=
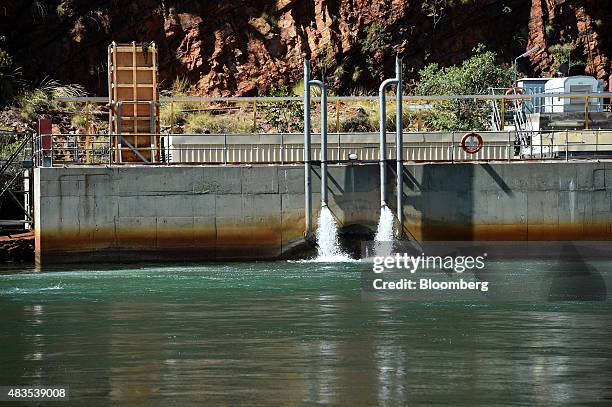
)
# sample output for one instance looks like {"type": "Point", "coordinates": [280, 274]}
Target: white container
{"type": "Point", "coordinates": [572, 84]}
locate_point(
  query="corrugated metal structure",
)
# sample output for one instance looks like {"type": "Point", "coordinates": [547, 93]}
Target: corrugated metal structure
{"type": "Point", "coordinates": [133, 96]}
{"type": "Point", "coordinates": [289, 148]}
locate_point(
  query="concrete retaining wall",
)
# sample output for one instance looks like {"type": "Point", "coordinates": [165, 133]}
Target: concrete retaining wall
{"type": "Point", "coordinates": [149, 212]}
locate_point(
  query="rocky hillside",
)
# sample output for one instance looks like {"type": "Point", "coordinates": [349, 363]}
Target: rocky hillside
{"type": "Point", "coordinates": [243, 47]}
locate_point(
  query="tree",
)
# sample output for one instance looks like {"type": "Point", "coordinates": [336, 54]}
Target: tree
{"type": "Point", "coordinates": [8, 75]}
{"type": "Point", "coordinates": [475, 76]}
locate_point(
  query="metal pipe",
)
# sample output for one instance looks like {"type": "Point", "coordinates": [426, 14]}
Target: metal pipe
{"type": "Point", "coordinates": [307, 157]}
{"type": "Point", "coordinates": [307, 146]}
{"type": "Point", "coordinates": [399, 143]}
{"type": "Point", "coordinates": [382, 155]}
{"type": "Point", "coordinates": [323, 157]}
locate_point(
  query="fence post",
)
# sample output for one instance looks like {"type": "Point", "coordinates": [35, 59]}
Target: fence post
{"type": "Point", "coordinates": [52, 151]}
{"type": "Point", "coordinates": [87, 118]}
{"type": "Point", "coordinates": [452, 147]}
{"type": "Point", "coordinates": [586, 113]}
{"type": "Point", "coordinates": [503, 114]}
{"type": "Point", "coordinates": [566, 145]}
{"type": "Point", "coordinates": [510, 153]}
{"type": "Point", "coordinates": [338, 116]}
{"type": "Point", "coordinates": [172, 117]}
{"type": "Point", "coordinates": [87, 131]}
{"type": "Point", "coordinates": [282, 147]}
{"type": "Point", "coordinates": [255, 116]}
{"type": "Point", "coordinates": [152, 131]}
{"type": "Point", "coordinates": [75, 144]}
{"type": "Point", "coordinates": [225, 149]}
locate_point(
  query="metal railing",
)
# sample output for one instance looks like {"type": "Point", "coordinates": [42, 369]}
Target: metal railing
{"type": "Point", "coordinates": [76, 149]}
{"type": "Point", "coordinates": [532, 102]}
{"type": "Point", "coordinates": [250, 112]}
{"type": "Point", "coordinates": [13, 163]}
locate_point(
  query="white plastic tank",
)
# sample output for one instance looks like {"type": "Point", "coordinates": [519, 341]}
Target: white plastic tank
{"type": "Point", "coordinates": [572, 84]}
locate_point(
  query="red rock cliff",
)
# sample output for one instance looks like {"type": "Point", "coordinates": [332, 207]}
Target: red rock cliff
{"type": "Point", "coordinates": [243, 47]}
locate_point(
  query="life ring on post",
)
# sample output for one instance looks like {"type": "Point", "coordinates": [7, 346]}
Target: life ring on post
{"type": "Point", "coordinates": [471, 143]}
{"type": "Point", "coordinates": [514, 91]}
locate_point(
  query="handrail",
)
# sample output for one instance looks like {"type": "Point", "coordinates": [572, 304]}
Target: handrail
{"type": "Point", "coordinates": [71, 149]}
{"type": "Point", "coordinates": [352, 98]}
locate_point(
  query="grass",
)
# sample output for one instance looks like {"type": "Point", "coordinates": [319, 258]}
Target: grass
{"type": "Point", "coordinates": [79, 120]}
{"type": "Point", "coordinates": [41, 99]}
{"type": "Point", "coordinates": [172, 114]}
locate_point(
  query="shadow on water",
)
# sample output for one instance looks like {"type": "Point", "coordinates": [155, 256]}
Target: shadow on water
{"type": "Point", "coordinates": [572, 279]}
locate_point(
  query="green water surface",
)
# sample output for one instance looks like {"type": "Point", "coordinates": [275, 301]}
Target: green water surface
{"type": "Point", "coordinates": [289, 334]}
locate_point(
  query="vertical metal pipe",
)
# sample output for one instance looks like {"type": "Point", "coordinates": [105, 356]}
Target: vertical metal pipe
{"type": "Point", "coordinates": [323, 145]}
{"type": "Point", "coordinates": [323, 156]}
{"type": "Point", "coordinates": [399, 144]}
{"type": "Point", "coordinates": [307, 158]}
{"type": "Point", "coordinates": [382, 160]}
{"type": "Point", "coordinates": [382, 154]}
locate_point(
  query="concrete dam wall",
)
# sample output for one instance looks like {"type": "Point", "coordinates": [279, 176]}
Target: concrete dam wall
{"type": "Point", "coordinates": [129, 213]}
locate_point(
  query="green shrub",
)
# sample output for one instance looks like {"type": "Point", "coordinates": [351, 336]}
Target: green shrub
{"type": "Point", "coordinates": [567, 52]}
{"type": "Point", "coordinates": [475, 75]}
{"type": "Point", "coordinates": [79, 120]}
{"type": "Point", "coordinates": [205, 123]}
{"type": "Point", "coordinates": [377, 40]}
{"type": "Point", "coordinates": [10, 76]}
{"type": "Point", "coordinates": [366, 117]}
{"type": "Point", "coordinates": [286, 116]}
{"type": "Point", "coordinates": [360, 122]}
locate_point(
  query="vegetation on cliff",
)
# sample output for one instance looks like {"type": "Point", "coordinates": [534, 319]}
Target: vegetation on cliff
{"type": "Point", "coordinates": [476, 75]}
{"type": "Point", "coordinates": [8, 74]}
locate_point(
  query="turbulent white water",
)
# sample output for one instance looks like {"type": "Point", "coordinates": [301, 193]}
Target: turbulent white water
{"type": "Point", "coordinates": [328, 245]}
{"type": "Point", "coordinates": [383, 241]}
